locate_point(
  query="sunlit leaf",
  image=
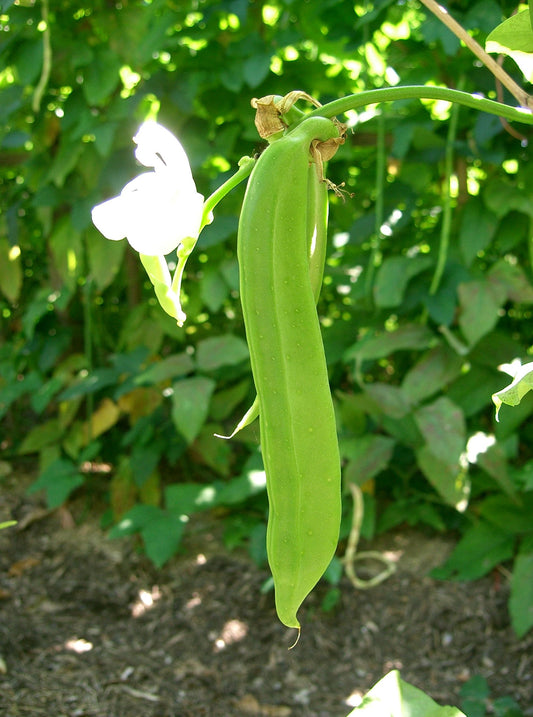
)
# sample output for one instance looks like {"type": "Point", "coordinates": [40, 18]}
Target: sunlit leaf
{"type": "Point", "coordinates": [516, 390]}
{"type": "Point", "coordinates": [392, 696]}
{"type": "Point", "coordinates": [514, 37]}
{"type": "Point", "coordinates": [10, 271]}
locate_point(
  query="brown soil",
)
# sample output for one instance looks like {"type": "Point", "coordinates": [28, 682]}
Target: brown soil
{"type": "Point", "coordinates": [88, 627]}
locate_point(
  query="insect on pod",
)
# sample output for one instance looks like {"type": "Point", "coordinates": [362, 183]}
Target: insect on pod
{"type": "Point", "coordinates": [280, 247]}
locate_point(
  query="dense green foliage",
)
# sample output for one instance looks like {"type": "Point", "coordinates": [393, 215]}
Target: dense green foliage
{"type": "Point", "coordinates": [427, 290]}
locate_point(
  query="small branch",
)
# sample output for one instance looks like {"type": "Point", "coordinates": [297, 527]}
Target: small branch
{"type": "Point", "coordinates": [523, 98]}
{"type": "Point", "coordinates": [47, 60]}
{"type": "Point", "coordinates": [352, 556]}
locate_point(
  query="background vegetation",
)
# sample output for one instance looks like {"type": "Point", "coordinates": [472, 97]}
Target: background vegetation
{"type": "Point", "coordinates": [427, 290]}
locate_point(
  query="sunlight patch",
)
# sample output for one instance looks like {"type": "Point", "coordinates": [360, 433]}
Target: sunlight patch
{"type": "Point", "coordinates": [233, 631]}
{"type": "Point", "coordinates": [79, 645]}
{"type": "Point", "coordinates": [146, 600]}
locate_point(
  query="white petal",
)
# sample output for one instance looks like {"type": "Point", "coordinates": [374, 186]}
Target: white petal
{"type": "Point", "coordinates": [158, 148]}
{"type": "Point", "coordinates": [110, 218]}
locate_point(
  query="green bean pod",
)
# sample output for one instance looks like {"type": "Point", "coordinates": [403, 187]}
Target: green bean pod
{"type": "Point", "coordinates": [317, 228]}
{"type": "Point", "coordinates": [297, 421]}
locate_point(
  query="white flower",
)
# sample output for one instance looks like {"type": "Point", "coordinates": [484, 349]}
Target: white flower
{"type": "Point", "coordinates": [157, 210]}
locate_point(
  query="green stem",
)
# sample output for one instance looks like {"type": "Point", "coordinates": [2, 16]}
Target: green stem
{"type": "Point", "coordinates": [88, 351]}
{"type": "Point", "coordinates": [409, 92]}
{"type": "Point", "coordinates": [381, 164]}
{"type": "Point", "coordinates": [446, 202]}
{"type": "Point", "coordinates": [246, 164]}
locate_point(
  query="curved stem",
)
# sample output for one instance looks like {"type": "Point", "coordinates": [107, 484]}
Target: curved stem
{"type": "Point", "coordinates": [381, 166]}
{"type": "Point", "coordinates": [409, 92]}
{"type": "Point", "coordinates": [47, 60]}
{"type": "Point", "coordinates": [246, 164]}
{"type": "Point", "coordinates": [446, 202]}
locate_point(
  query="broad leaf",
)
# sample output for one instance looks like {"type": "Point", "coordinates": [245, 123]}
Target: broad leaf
{"type": "Point", "coordinates": [10, 271]}
{"type": "Point", "coordinates": [392, 696]}
{"type": "Point", "coordinates": [449, 479]}
{"type": "Point", "coordinates": [521, 600]}
{"type": "Point", "coordinates": [482, 547]}
{"type": "Point", "coordinates": [367, 456]}
{"type": "Point", "coordinates": [409, 336]}
{"type": "Point", "coordinates": [190, 404]}
{"type": "Point", "coordinates": [480, 305]}
{"type": "Point", "coordinates": [514, 37]}
{"type": "Point", "coordinates": [393, 277]}
{"type": "Point", "coordinates": [58, 480]}
{"type": "Point", "coordinates": [442, 424]}
{"type": "Point", "coordinates": [226, 350]}
{"type": "Point", "coordinates": [478, 226]}
{"type": "Point", "coordinates": [436, 369]}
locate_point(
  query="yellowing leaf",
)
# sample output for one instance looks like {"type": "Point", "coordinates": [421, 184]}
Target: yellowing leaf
{"type": "Point", "coordinates": [140, 402]}
{"type": "Point", "coordinates": [105, 416]}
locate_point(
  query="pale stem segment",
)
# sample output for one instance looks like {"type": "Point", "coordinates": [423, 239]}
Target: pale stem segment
{"type": "Point", "coordinates": [421, 92]}
{"type": "Point", "coordinates": [523, 98]}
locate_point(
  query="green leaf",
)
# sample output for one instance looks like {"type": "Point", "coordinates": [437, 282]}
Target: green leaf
{"type": "Point", "coordinates": [436, 369]}
{"type": "Point", "coordinates": [478, 226]}
{"type": "Point", "coordinates": [214, 290]}
{"type": "Point", "coordinates": [239, 489]}
{"type": "Point", "coordinates": [494, 462]}
{"type": "Point", "coordinates": [408, 336]}
{"type": "Point", "coordinates": [392, 697]}
{"type": "Point", "coordinates": [67, 250]}
{"type": "Point", "coordinates": [514, 37]}
{"type": "Point", "coordinates": [367, 456]}
{"type": "Point", "coordinates": [449, 479]}
{"type": "Point", "coordinates": [390, 399]}
{"type": "Point", "coordinates": [134, 520]}
{"type": "Point", "coordinates": [256, 68]}
{"type": "Point", "coordinates": [516, 390]}
{"type": "Point", "coordinates": [218, 351]}
{"type": "Point", "coordinates": [162, 537]}
{"type": "Point", "coordinates": [10, 271]}
{"type": "Point", "coordinates": [393, 277]}
{"type": "Point", "coordinates": [511, 514]}
{"type": "Point", "coordinates": [482, 547]}
{"type": "Point", "coordinates": [503, 196]}
{"type": "Point", "coordinates": [443, 426]}
{"type": "Point", "coordinates": [190, 405]}
{"type": "Point", "coordinates": [513, 280]}
{"type": "Point", "coordinates": [480, 302]}
{"type": "Point", "coordinates": [101, 76]}
{"type": "Point", "coordinates": [104, 257]}
{"type": "Point", "coordinates": [521, 600]}
{"type": "Point", "coordinates": [58, 480]}
{"type": "Point", "coordinates": [169, 367]}
{"type": "Point", "coordinates": [44, 434]}
{"type": "Point", "coordinates": [187, 498]}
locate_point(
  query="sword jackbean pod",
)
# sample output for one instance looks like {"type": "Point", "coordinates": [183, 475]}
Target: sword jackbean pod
{"type": "Point", "coordinates": [297, 421]}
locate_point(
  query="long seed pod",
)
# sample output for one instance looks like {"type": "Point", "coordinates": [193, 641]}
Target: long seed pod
{"type": "Point", "coordinates": [317, 228]}
{"type": "Point", "coordinates": [297, 421]}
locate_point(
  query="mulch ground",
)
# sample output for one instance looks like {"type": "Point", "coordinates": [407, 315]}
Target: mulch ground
{"type": "Point", "coordinates": [88, 627]}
